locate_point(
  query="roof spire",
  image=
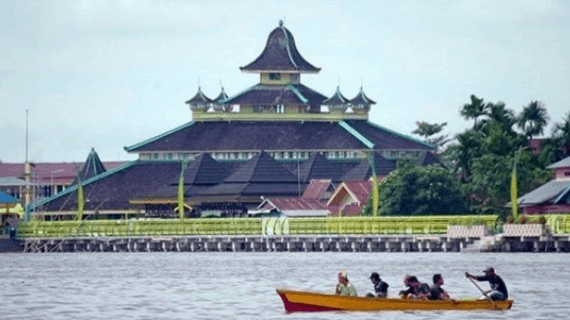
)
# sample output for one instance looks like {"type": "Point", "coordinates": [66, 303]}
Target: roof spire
{"type": "Point", "coordinates": [280, 23]}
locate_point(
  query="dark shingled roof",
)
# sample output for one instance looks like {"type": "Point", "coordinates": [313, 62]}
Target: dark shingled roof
{"type": "Point", "coordinates": [244, 135]}
{"type": "Point", "coordinates": [260, 176]}
{"type": "Point", "coordinates": [201, 174]}
{"type": "Point", "coordinates": [361, 99]}
{"type": "Point", "coordinates": [204, 171]}
{"type": "Point", "coordinates": [336, 99]}
{"type": "Point", "coordinates": [384, 138]}
{"type": "Point", "coordinates": [428, 158]}
{"type": "Point", "coordinates": [199, 98]}
{"type": "Point", "coordinates": [318, 167]}
{"type": "Point", "coordinates": [363, 171]}
{"type": "Point", "coordinates": [293, 93]}
{"type": "Point", "coordinates": [262, 168]}
{"type": "Point", "coordinates": [280, 54]}
{"type": "Point", "coordinates": [92, 167]}
{"type": "Point", "coordinates": [113, 189]}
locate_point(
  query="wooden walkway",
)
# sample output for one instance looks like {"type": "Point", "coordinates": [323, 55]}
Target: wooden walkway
{"type": "Point", "coordinates": [317, 243]}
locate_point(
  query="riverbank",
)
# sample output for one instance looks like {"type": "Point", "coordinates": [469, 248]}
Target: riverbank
{"type": "Point", "coordinates": [308, 243]}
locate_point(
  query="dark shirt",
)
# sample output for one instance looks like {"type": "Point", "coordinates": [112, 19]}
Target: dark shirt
{"type": "Point", "coordinates": [381, 289]}
{"type": "Point", "coordinates": [435, 292]}
{"type": "Point", "coordinates": [423, 288]}
{"type": "Point", "coordinates": [496, 283]}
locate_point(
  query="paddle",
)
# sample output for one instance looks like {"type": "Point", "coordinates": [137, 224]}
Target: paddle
{"type": "Point", "coordinates": [485, 294]}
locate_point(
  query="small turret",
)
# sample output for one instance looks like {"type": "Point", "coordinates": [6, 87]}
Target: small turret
{"type": "Point", "coordinates": [199, 102]}
{"type": "Point", "coordinates": [218, 101]}
{"type": "Point", "coordinates": [337, 103]}
{"type": "Point", "coordinates": [361, 103]}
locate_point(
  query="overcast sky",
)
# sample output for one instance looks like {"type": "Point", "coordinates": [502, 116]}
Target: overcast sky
{"type": "Point", "coordinates": [109, 74]}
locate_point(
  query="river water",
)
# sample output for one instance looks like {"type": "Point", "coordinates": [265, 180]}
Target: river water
{"type": "Point", "coordinates": [242, 285]}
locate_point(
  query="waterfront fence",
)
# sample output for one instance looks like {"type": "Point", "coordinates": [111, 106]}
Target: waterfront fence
{"type": "Point", "coordinates": [418, 225]}
{"type": "Point", "coordinates": [415, 225]}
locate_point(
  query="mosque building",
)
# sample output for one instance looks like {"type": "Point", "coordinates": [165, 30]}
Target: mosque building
{"type": "Point", "coordinates": [269, 140]}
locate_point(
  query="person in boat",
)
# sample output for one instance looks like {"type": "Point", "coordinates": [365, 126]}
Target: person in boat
{"type": "Point", "coordinates": [344, 287]}
{"type": "Point", "coordinates": [498, 287]}
{"type": "Point", "coordinates": [380, 287]}
{"type": "Point", "coordinates": [436, 291]}
{"type": "Point", "coordinates": [416, 289]}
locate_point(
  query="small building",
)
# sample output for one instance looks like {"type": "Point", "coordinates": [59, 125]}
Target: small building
{"type": "Point", "coordinates": [553, 196]}
{"type": "Point", "coordinates": [313, 202]}
{"type": "Point", "coordinates": [349, 198]}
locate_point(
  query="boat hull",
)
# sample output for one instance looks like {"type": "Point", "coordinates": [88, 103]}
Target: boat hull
{"type": "Point", "coordinates": [297, 300]}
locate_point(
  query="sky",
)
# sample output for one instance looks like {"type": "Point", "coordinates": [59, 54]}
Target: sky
{"type": "Point", "coordinates": [109, 74]}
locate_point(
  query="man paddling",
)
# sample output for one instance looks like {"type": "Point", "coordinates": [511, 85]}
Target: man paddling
{"type": "Point", "coordinates": [380, 287]}
{"type": "Point", "coordinates": [344, 287]}
{"type": "Point", "coordinates": [498, 288]}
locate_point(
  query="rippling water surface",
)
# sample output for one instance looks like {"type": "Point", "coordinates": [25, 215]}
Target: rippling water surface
{"type": "Point", "coordinates": [242, 285]}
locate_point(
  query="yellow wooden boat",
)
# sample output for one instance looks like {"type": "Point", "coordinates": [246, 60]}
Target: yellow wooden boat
{"type": "Point", "coordinates": [298, 300]}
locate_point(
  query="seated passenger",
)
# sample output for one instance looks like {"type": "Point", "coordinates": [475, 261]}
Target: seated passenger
{"type": "Point", "coordinates": [380, 287]}
{"type": "Point", "coordinates": [344, 287]}
{"type": "Point", "coordinates": [416, 289]}
{"type": "Point", "coordinates": [436, 291]}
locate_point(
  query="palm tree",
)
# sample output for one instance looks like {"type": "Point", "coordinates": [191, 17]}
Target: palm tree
{"type": "Point", "coordinates": [498, 113]}
{"type": "Point", "coordinates": [533, 119]}
{"type": "Point", "coordinates": [468, 147]}
{"type": "Point", "coordinates": [474, 110]}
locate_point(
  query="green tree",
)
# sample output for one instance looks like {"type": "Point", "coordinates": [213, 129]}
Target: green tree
{"type": "Point", "coordinates": [421, 190]}
{"type": "Point", "coordinates": [475, 109]}
{"type": "Point", "coordinates": [462, 153]}
{"type": "Point", "coordinates": [427, 130]}
{"type": "Point", "coordinates": [533, 119]}
{"type": "Point", "coordinates": [489, 187]}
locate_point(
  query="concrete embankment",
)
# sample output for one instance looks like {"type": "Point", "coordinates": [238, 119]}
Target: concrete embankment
{"type": "Point", "coordinates": [309, 243]}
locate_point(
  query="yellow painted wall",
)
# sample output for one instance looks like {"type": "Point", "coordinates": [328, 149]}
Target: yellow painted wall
{"type": "Point", "coordinates": [285, 79]}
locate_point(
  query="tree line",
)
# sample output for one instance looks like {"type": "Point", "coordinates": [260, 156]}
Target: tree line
{"type": "Point", "coordinates": [476, 165]}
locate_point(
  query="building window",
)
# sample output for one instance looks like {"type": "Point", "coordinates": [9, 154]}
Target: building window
{"type": "Point", "coordinates": [257, 109]}
{"type": "Point", "coordinates": [274, 76]}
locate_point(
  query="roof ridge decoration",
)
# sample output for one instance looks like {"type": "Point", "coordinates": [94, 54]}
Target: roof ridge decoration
{"type": "Point", "coordinates": [280, 55]}
{"type": "Point", "coordinates": [400, 134]}
{"type": "Point", "coordinates": [369, 144]}
{"type": "Point", "coordinates": [297, 93]}
{"type": "Point", "coordinates": [158, 137]}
